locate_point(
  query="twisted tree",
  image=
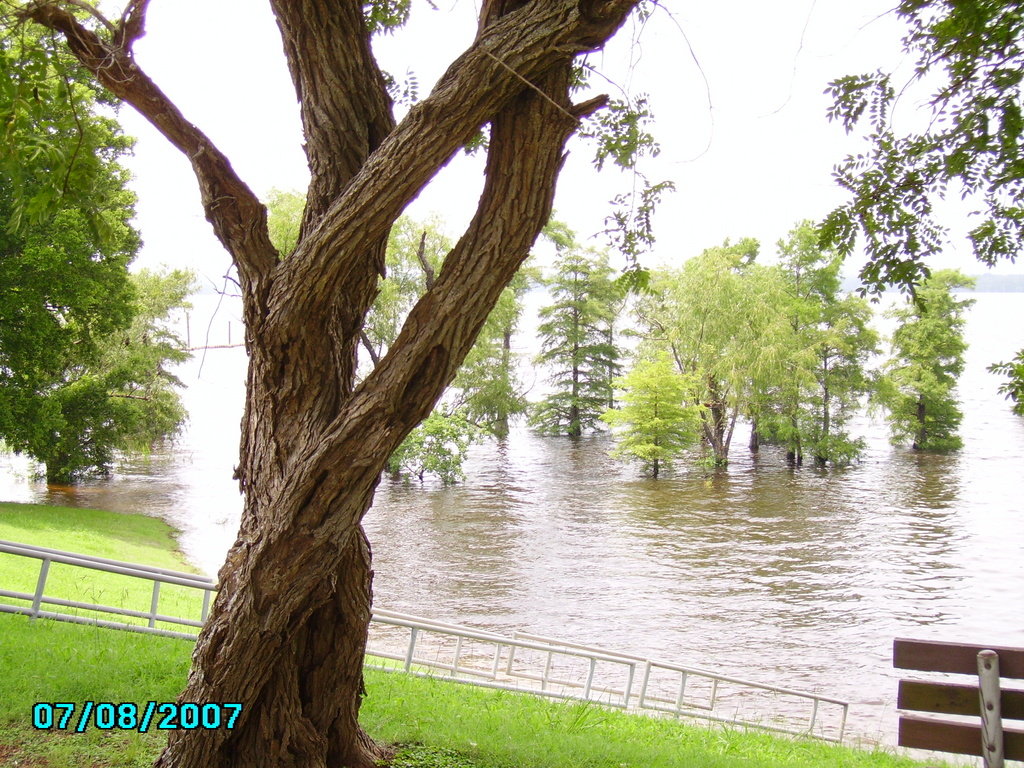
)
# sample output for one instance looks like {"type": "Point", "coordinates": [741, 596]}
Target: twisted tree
{"type": "Point", "coordinates": [288, 630]}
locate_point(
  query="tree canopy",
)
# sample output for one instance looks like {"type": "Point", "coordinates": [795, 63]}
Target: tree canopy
{"type": "Point", "coordinates": [970, 56]}
{"type": "Point", "coordinates": [658, 418]}
{"type": "Point", "coordinates": [82, 349]}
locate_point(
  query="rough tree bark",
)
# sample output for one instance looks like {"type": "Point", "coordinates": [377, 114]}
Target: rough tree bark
{"type": "Point", "coordinates": [287, 632]}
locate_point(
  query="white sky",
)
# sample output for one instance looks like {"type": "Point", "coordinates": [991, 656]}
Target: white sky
{"type": "Point", "coordinates": [752, 164]}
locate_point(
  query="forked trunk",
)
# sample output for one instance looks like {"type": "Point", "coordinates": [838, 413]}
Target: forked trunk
{"type": "Point", "coordinates": [287, 632]}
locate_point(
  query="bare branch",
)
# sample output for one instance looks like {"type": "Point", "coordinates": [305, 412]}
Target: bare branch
{"type": "Point", "coordinates": [238, 217]}
{"type": "Point", "coordinates": [133, 23]}
{"type": "Point", "coordinates": [421, 254]}
{"type": "Point", "coordinates": [368, 346]}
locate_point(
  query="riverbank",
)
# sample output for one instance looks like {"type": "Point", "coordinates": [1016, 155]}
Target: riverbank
{"type": "Point", "coordinates": [452, 726]}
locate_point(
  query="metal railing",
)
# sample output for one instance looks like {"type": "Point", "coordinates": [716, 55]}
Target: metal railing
{"type": "Point", "coordinates": [158, 576]}
{"type": "Point", "coordinates": [522, 662]}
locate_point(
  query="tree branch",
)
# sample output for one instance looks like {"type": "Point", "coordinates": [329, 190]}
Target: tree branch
{"type": "Point", "coordinates": [94, 12]}
{"type": "Point", "coordinates": [237, 216]}
{"type": "Point", "coordinates": [368, 346]}
{"type": "Point", "coordinates": [344, 103]}
{"type": "Point", "coordinates": [421, 255]}
{"type": "Point", "coordinates": [528, 42]}
{"type": "Point", "coordinates": [133, 23]}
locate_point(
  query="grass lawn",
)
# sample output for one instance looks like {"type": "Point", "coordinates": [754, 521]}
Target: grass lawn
{"type": "Point", "coordinates": [441, 724]}
{"type": "Point", "coordinates": [131, 538]}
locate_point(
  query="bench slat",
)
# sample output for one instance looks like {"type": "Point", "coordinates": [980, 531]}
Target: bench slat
{"type": "Point", "coordinates": [936, 656]}
{"type": "Point", "coordinates": [953, 699]}
{"type": "Point", "coordinates": [959, 738]}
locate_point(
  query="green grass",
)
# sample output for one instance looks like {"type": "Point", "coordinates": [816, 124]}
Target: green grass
{"type": "Point", "coordinates": [438, 724]}
{"type": "Point", "coordinates": [131, 538]}
{"type": "Point", "coordinates": [446, 725]}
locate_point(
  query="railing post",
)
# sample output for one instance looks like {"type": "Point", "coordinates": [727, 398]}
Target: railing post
{"type": "Point", "coordinates": [991, 712]}
{"type": "Point", "coordinates": [37, 599]}
{"type": "Point", "coordinates": [629, 684]}
{"type": "Point", "coordinates": [458, 653]}
{"type": "Point", "coordinates": [412, 647]}
{"type": "Point", "coordinates": [643, 688]}
{"type": "Point", "coordinates": [682, 692]}
{"type": "Point", "coordinates": [206, 606]}
{"type": "Point", "coordinates": [547, 672]}
{"type": "Point", "coordinates": [153, 604]}
{"type": "Point", "coordinates": [590, 678]}
{"type": "Point", "coordinates": [497, 659]}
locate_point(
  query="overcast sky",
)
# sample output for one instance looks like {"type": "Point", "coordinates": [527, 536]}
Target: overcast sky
{"type": "Point", "coordinates": [736, 88]}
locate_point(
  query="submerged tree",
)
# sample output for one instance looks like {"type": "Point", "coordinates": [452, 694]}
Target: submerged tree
{"type": "Point", "coordinates": [715, 319]}
{"type": "Point", "coordinates": [287, 632]}
{"type": "Point", "coordinates": [487, 387]}
{"type": "Point", "coordinates": [822, 375]}
{"type": "Point", "coordinates": [438, 446]}
{"type": "Point", "coordinates": [657, 418]}
{"type": "Point", "coordinates": [918, 385]}
{"type": "Point", "coordinates": [118, 398]}
{"type": "Point", "coordinates": [578, 343]}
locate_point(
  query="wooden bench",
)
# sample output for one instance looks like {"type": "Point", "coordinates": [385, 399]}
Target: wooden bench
{"type": "Point", "coordinates": [989, 666]}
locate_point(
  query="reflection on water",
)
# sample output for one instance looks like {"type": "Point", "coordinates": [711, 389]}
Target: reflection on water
{"type": "Point", "coordinates": [796, 577]}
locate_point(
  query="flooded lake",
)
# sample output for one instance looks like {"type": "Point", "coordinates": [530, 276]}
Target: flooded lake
{"type": "Point", "coordinates": [799, 578]}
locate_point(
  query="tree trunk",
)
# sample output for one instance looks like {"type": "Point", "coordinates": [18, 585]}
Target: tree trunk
{"type": "Point", "coordinates": [820, 459]}
{"type": "Point", "coordinates": [922, 434]}
{"type": "Point", "coordinates": [501, 425]}
{"type": "Point", "coordinates": [754, 444]}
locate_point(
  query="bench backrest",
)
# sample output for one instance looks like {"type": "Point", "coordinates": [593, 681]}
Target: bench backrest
{"type": "Point", "coordinates": [955, 698]}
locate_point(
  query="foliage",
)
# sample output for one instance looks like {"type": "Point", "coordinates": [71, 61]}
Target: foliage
{"type": "Point", "coordinates": [577, 333]}
{"type": "Point", "coordinates": [972, 56]}
{"type": "Point", "coordinates": [917, 386]}
{"type": "Point", "coordinates": [620, 132]}
{"type": "Point", "coordinates": [630, 229]}
{"type": "Point", "coordinates": [383, 16]}
{"type": "Point", "coordinates": [487, 385]}
{"type": "Point", "coordinates": [974, 143]}
{"type": "Point", "coordinates": [81, 346]}
{"type": "Point", "coordinates": [437, 446]}
{"type": "Point", "coordinates": [829, 342]}
{"type": "Point", "coordinates": [58, 153]}
{"type": "Point", "coordinates": [1014, 388]}
{"type": "Point", "coordinates": [657, 422]}
{"type": "Point", "coordinates": [119, 398]}
{"type": "Point", "coordinates": [284, 217]}
{"type": "Point", "coordinates": [712, 317]}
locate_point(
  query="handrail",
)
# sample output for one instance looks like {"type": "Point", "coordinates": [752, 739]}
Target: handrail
{"type": "Point", "coordinates": [564, 671]}
{"type": "Point", "coordinates": [110, 566]}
